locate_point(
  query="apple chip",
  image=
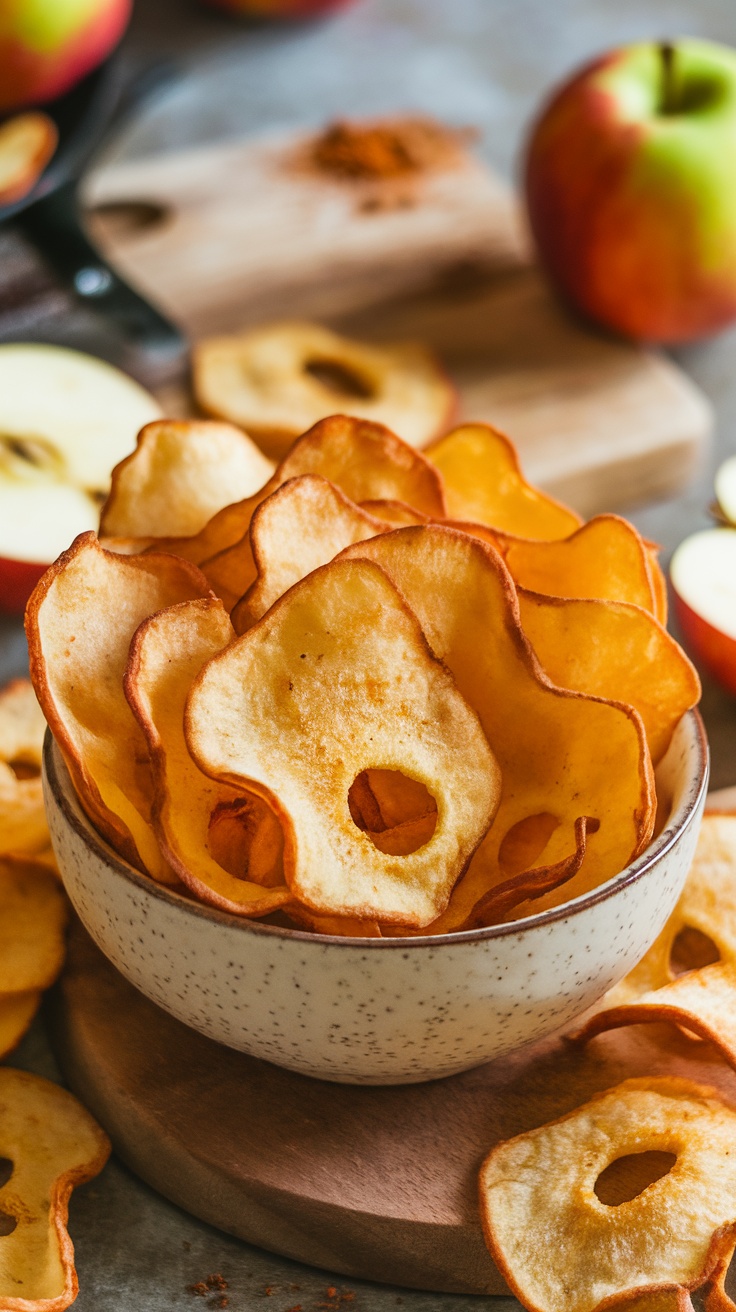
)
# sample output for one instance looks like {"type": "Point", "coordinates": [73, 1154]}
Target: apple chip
{"type": "Point", "coordinates": [23, 827]}
{"type": "Point", "coordinates": [616, 650]}
{"type": "Point", "coordinates": [302, 525]}
{"type": "Point", "coordinates": [27, 143]}
{"type": "Point", "coordinates": [484, 483]}
{"type": "Point", "coordinates": [557, 750]}
{"type": "Point", "coordinates": [335, 679]}
{"type": "Point", "coordinates": [561, 1249]}
{"type": "Point", "coordinates": [79, 623]}
{"type": "Point", "coordinates": [33, 914]}
{"type": "Point", "coordinates": [17, 1011]}
{"type": "Point", "coordinates": [181, 473]}
{"type": "Point", "coordinates": [211, 834]}
{"type": "Point", "coordinates": [365, 460]}
{"type": "Point", "coordinates": [701, 929]}
{"type": "Point", "coordinates": [701, 1001]}
{"type": "Point", "coordinates": [49, 1144]}
{"type": "Point", "coordinates": [605, 559]}
{"type": "Point", "coordinates": [278, 379]}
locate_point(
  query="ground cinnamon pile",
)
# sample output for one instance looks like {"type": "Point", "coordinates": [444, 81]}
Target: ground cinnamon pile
{"type": "Point", "coordinates": [387, 148]}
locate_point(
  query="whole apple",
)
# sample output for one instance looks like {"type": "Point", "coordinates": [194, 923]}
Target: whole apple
{"type": "Point", "coordinates": [279, 8]}
{"type": "Point", "coordinates": [631, 189]}
{"type": "Point", "coordinates": [46, 46]}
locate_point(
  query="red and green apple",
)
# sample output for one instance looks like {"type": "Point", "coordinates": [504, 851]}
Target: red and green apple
{"type": "Point", "coordinates": [66, 419]}
{"type": "Point", "coordinates": [631, 189]}
{"type": "Point", "coordinates": [46, 46]}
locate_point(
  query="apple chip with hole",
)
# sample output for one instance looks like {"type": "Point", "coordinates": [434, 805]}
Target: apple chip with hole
{"type": "Point", "coordinates": [181, 473]}
{"type": "Point", "coordinates": [49, 1144]}
{"type": "Point", "coordinates": [33, 914]}
{"type": "Point", "coordinates": [366, 461]}
{"type": "Point", "coordinates": [224, 843]}
{"type": "Point", "coordinates": [557, 750]}
{"type": "Point", "coordinates": [561, 1249]}
{"type": "Point", "coordinates": [484, 483]}
{"type": "Point", "coordinates": [79, 622]}
{"type": "Point", "coordinates": [278, 380]}
{"type": "Point", "coordinates": [23, 827]}
{"type": "Point", "coordinates": [303, 524]}
{"type": "Point", "coordinates": [337, 679]}
{"type": "Point", "coordinates": [615, 650]}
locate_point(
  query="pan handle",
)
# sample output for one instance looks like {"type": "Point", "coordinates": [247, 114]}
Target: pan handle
{"type": "Point", "coordinates": [55, 226]}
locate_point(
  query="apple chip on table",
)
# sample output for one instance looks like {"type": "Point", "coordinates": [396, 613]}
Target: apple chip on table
{"type": "Point", "coordinates": [49, 1144]}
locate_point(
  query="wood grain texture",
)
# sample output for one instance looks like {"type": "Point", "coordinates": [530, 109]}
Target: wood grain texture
{"type": "Point", "coordinates": [230, 236]}
{"type": "Point", "coordinates": [368, 1182]}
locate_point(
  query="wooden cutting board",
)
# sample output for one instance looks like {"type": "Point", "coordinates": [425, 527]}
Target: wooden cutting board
{"type": "Point", "coordinates": [368, 1182]}
{"type": "Point", "coordinates": [237, 234]}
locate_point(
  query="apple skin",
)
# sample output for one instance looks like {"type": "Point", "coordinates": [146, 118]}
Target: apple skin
{"type": "Point", "coordinates": [46, 46]}
{"type": "Point", "coordinates": [18, 578]}
{"type": "Point", "coordinates": [298, 9]}
{"type": "Point", "coordinates": [633, 209]}
{"type": "Point", "coordinates": [714, 650]}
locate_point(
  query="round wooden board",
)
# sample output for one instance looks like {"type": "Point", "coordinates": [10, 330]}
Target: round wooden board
{"type": "Point", "coordinates": [367, 1182]}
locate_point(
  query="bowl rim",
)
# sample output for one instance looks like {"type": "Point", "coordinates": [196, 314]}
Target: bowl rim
{"type": "Point", "coordinates": [61, 786]}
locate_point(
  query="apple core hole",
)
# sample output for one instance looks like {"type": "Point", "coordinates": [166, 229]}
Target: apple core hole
{"type": "Point", "coordinates": [628, 1176]}
{"type": "Point", "coordinates": [126, 218]}
{"type": "Point", "coordinates": [7, 1166]}
{"type": "Point", "coordinates": [7, 1224]}
{"type": "Point", "coordinates": [244, 837]}
{"type": "Point", "coordinates": [396, 812]}
{"type": "Point", "coordinates": [340, 379]}
{"type": "Point", "coordinates": [24, 770]}
{"type": "Point", "coordinates": [525, 841]}
{"type": "Point", "coordinates": [691, 950]}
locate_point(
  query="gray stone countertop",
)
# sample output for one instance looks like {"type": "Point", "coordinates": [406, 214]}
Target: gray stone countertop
{"type": "Point", "coordinates": [484, 62]}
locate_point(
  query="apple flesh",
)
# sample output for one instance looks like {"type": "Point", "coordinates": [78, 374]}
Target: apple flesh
{"type": "Point", "coordinates": [46, 46]}
{"type": "Point", "coordinates": [66, 420]}
{"type": "Point", "coordinates": [703, 575]}
{"type": "Point", "coordinates": [279, 8]}
{"type": "Point", "coordinates": [631, 190]}
{"type": "Point", "coordinates": [726, 490]}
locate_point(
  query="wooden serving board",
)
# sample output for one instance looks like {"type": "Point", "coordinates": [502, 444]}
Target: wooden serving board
{"type": "Point", "coordinates": [234, 235]}
{"type": "Point", "coordinates": [368, 1182]}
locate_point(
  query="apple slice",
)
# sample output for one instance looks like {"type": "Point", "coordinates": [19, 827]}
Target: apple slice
{"type": "Point", "coordinates": [726, 489]}
{"type": "Point", "coordinates": [66, 420]}
{"type": "Point", "coordinates": [703, 574]}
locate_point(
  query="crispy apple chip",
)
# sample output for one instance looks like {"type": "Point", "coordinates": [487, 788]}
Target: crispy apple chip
{"type": "Point", "coordinates": [612, 649]}
{"type": "Point", "coordinates": [561, 1249]}
{"type": "Point", "coordinates": [483, 482]}
{"type": "Point", "coordinates": [336, 679]}
{"type": "Point", "coordinates": [49, 1144]}
{"type": "Point", "coordinates": [302, 525]}
{"type": "Point", "coordinates": [211, 834]}
{"type": "Point", "coordinates": [27, 143]}
{"type": "Point", "coordinates": [701, 929]}
{"type": "Point", "coordinates": [365, 460]}
{"type": "Point", "coordinates": [181, 473]}
{"type": "Point", "coordinates": [17, 1011]}
{"type": "Point", "coordinates": [605, 559]}
{"type": "Point", "coordinates": [33, 915]}
{"type": "Point", "coordinates": [79, 621]}
{"type": "Point", "coordinates": [23, 827]}
{"type": "Point", "coordinates": [557, 750]}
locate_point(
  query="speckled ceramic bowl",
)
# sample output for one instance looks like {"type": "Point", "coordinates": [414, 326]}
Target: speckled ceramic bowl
{"type": "Point", "coordinates": [377, 1011]}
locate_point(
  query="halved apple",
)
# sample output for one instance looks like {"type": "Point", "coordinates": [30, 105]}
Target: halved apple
{"type": "Point", "coordinates": [703, 574]}
{"type": "Point", "coordinates": [65, 420]}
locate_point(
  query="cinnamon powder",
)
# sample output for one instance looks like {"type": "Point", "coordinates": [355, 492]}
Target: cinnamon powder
{"type": "Point", "coordinates": [387, 148]}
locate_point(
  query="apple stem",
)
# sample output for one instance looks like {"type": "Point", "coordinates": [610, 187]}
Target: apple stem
{"type": "Point", "coordinates": [667, 56]}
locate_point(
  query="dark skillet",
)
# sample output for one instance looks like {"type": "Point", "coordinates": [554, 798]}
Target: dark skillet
{"type": "Point", "coordinates": [50, 216]}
